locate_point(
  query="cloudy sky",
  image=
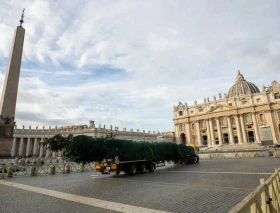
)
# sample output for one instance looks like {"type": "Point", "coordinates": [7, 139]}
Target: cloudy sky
{"type": "Point", "coordinates": [128, 62]}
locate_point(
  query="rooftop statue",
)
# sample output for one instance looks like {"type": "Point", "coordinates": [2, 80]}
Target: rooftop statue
{"type": "Point", "coordinates": [214, 97]}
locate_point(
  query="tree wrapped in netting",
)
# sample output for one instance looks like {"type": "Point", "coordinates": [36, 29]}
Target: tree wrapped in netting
{"type": "Point", "coordinates": [84, 148]}
{"type": "Point", "coordinates": [184, 151]}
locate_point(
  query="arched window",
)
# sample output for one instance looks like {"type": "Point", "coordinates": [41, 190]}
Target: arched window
{"type": "Point", "coordinates": [262, 117]}
{"type": "Point", "coordinates": [248, 118]}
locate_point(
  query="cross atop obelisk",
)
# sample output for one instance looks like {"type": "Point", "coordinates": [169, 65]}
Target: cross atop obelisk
{"type": "Point", "coordinates": [10, 87]}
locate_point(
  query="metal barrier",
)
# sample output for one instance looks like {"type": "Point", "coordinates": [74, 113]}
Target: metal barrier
{"type": "Point", "coordinates": [264, 199]}
{"type": "Point", "coordinates": [46, 168]}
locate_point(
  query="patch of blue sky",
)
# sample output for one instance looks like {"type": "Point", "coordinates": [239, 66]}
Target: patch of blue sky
{"type": "Point", "coordinates": [103, 71]}
{"type": "Point", "coordinates": [77, 77]}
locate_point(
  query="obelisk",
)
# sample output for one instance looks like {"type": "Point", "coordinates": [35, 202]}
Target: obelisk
{"type": "Point", "coordinates": [10, 87]}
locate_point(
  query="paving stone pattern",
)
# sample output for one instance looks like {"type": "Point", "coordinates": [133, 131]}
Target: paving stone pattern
{"type": "Point", "coordinates": [182, 188]}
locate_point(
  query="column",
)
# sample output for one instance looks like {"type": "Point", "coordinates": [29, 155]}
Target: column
{"type": "Point", "coordinates": [41, 148]}
{"type": "Point", "coordinates": [244, 135]}
{"type": "Point", "coordinates": [48, 151]}
{"type": "Point", "coordinates": [198, 133]}
{"type": "Point", "coordinates": [35, 147]}
{"type": "Point", "coordinates": [219, 131]}
{"type": "Point", "coordinates": [209, 139]}
{"type": "Point", "coordinates": [238, 129]}
{"type": "Point", "coordinates": [271, 124]}
{"type": "Point", "coordinates": [212, 132]}
{"type": "Point", "coordinates": [177, 134]}
{"type": "Point", "coordinates": [28, 149]}
{"type": "Point", "coordinates": [188, 133]}
{"type": "Point", "coordinates": [21, 147]}
{"type": "Point", "coordinates": [13, 153]}
{"type": "Point", "coordinates": [231, 139]}
{"type": "Point", "coordinates": [256, 127]}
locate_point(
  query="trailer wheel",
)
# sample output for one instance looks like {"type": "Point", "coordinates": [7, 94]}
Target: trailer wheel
{"type": "Point", "coordinates": [142, 168]}
{"type": "Point", "coordinates": [126, 169]}
{"type": "Point", "coordinates": [132, 169]}
{"type": "Point", "coordinates": [152, 167]}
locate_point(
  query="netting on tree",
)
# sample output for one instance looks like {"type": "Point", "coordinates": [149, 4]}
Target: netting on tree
{"type": "Point", "coordinates": [85, 149]}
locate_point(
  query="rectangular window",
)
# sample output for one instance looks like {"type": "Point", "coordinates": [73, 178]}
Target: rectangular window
{"type": "Point", "coordinates": [248, 118]}
{"type": "Point", "coordinates": [180, 113]}
{"type": "Point", "coordinates": [277, 95]}
{"type": "Point", "coordinates": [230, 104]}
{"type": "Point", "coordinates": [215, 123]}
{"type": "Point", "coordinates": [244, 102]}
{"type": "Point", "coordinates": [200, 110]}
{"type": "Point", "coordinates": [232, 121]}
{"type": "Point", "coordinates": [202, 124]}
{"type": "Point", "coordinates": [223, 121]}
{"type": "Point", "coordinates": [181, 127]}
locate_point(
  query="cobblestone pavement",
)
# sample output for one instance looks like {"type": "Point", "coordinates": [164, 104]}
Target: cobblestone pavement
{"type": "Point", "coordinates": [210, 186]}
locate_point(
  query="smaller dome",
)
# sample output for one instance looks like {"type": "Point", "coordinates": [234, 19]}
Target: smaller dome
{"type": "Point", "coordinates": [242, 87]}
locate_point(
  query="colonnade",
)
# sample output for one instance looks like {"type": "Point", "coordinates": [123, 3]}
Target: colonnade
{"type": "Point", "coordinates": [29, 146]}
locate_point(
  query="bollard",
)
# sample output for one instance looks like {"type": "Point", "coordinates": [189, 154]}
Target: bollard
{"type": "Point", "coordinates": [63, 169]}
{"type": "Point", "coordinates": [10, 172]}
{"type": "Point", "coordinates": [68, 168]}
{"type": "Point", "coordinates": [52, 170]}
{"type": "Point", "coordinates": [38, 162]}
{"type": "Point", "coordinates": [34, 171]}
{"type": "Point", "coordinates": [3, 171]}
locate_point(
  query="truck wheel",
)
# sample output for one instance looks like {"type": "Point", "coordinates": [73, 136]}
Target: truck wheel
{"type": "Point", "coordinates": [118, 170]}
{"type": "Point", "coordinates": [142, 168]}
{"type": "Point", "coordinates": [132, 169]}
{"type": "Point", "coordinates": [152, 168]}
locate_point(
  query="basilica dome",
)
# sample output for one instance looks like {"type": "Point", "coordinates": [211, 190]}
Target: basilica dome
{"type": "Point", "coordinates": [242, 87]}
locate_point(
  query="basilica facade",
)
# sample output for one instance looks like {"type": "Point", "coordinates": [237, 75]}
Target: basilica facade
{"type": "Point", "coordinates": [243, 115]}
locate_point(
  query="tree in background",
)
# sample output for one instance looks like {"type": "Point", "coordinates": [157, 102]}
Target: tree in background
{"type": "Point", "coordinates": [57, 142]}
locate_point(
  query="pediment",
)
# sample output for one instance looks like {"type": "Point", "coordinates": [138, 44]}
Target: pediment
{"type": "Point", "coordinates": [220, 108]}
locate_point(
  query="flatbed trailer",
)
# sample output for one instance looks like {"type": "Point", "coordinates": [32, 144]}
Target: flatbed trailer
{"type": "Point", "coordinates": [115, 167]}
